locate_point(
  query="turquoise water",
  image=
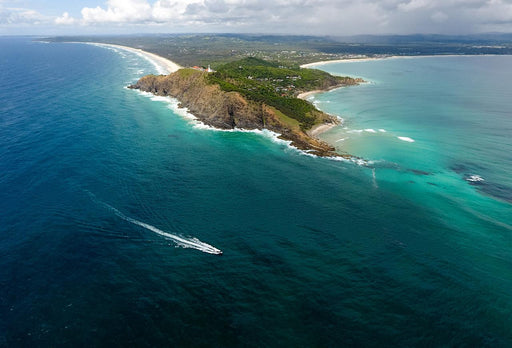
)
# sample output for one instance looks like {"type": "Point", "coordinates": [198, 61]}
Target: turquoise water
{"type": "Point", "coordinates": [431, 126]}
{"type": "Point", "coordinates": [99, 181]}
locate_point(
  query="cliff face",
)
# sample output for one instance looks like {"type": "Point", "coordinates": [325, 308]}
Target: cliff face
{"type": "Point", "coordinates": [227, 110]}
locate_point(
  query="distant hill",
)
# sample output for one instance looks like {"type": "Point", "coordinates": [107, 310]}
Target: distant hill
{"type": "Point", "coordinates": [218, 49]}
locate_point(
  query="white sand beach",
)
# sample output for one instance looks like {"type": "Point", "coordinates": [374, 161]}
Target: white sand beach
{"type": "Point", "coordinates": [320, 128]}
{"type": "Point", "coordinates": [305, 95]}
{"type": "Point", "coordinates": [164, 65]}
{"type": "Point", "coordinates": [369, 59]}
{"type": "Point", "coordinates": [347, 60]}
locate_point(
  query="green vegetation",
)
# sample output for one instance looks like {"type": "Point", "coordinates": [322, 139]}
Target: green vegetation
{"type": "Point", "coordinates": [276, 85]}
{"type": "Point", "coordinates": [290, 122]}
{"type": "Point", "coordinates": [186, 72]}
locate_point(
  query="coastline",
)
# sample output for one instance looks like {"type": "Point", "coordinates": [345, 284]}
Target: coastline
{"type": "Point", "coordinates": [370, 59]}
{"type": "Point", "coordinates": [305, 95]}
{"type": "Point", "coordinates": [348, 60]}
{"type": "Point", "coordinates": [318, 129]}
{"type": "Point", "coordinates": [167, 67]}
{"type": "Point", "coordinates": [164, 65]}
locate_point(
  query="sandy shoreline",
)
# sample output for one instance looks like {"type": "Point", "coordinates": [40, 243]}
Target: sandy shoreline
{"type": "Point", "coordinates": [369, 59]}
{"type": "Point", "coordinates": [164, 65]}
{"type": "Point", "coordinates": [305, 95]}
{"type": "Point", "coordinates": [315, 131]}
{"type": "Point", "coordinates": [348, 60]}
{"type": "Point", "coordinates": [320, 128]}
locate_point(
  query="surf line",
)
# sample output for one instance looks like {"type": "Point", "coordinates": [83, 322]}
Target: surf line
{"type": "Point", "coordinates": [183, 242]}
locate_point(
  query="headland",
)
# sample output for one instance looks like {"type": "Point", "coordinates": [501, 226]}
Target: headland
{"type": "Point", "coordinates": [254, 94]}
{"type": "Point", "coordinates": [249, 94]}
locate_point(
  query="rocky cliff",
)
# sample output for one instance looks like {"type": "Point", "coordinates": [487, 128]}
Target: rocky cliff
{"type": "Point", "coordinates": [227, 110]}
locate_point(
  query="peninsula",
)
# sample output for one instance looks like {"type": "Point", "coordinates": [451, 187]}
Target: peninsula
{"type": "Point", "coordinates": [254, 94]}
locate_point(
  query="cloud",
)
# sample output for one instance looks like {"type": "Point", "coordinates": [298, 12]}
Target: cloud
{"type": "Point", "coordinates": [331, 17]}
{"type": "Point", "coordinates": [439, 16]}
{"type": "Point", "coordinates": [119, 11]}
{"type": "Point", "coordinates": [17, 16]}
{"type": "Point", "coordinates": [336, 17]}
{"type": "Point", "coordinates": [414, 5]}
{"type": "Point", "coordinates": [65, 19]}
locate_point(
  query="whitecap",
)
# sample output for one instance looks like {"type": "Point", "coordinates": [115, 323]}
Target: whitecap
{"type": "Point", "coordinates": [382, 130]}
{"type": "Point", "coordinates": [355, 160]}
{"type": "Point", "coordinates": [274, 137]}
{"type": "Point", "coordinates": [409, 140]}
{"type": "Point", "coordinates": [360, 162]}
{"type": "Point", "coordinates": [369, 130]}
{"type": "Point", "coordinates": [474, 178]}
{"type": "Point", "coordinates": [159, 98]}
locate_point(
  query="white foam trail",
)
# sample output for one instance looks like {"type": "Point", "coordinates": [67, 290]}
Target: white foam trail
{"type": "Point", "coordinates": [369, 130]}
{"type": "Point", "coordinates": [355, 131]}
{"type": "Point", "coordinates": [193, 243]}
{"type": "Point", "coordinates": [183, 242]}
{"type": "Point", "coordinates": [374, 176]}
{"type": "Point", "coordinates": [409, 140]}
{"type": "Point", "coordinates": [342, 139]}
{"type": "Point", "coordinates": [382, 130]}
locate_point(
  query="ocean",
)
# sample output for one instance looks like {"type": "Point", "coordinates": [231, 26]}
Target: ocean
{"type": "Point", "coordinates": [115, 204]}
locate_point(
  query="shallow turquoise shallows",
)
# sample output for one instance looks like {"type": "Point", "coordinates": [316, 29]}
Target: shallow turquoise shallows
{"type": "Point", "coordinates": [113, 207]}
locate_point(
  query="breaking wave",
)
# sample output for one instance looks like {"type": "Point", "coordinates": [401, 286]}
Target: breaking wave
{"type": "Point", "coordinates": [474, 178]}
{"type": "Point", "coordinates": [409, 140]}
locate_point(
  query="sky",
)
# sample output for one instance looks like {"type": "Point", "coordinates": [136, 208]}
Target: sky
{"type": "Point", "coordinates": [311, 17]}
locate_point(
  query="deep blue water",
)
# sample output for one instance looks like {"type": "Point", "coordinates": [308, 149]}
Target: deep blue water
{"type": "Point", "coordinates": [316, 252]}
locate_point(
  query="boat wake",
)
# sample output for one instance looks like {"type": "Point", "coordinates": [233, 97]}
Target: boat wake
{"type": "Point", "coordinates": [184, 242]}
